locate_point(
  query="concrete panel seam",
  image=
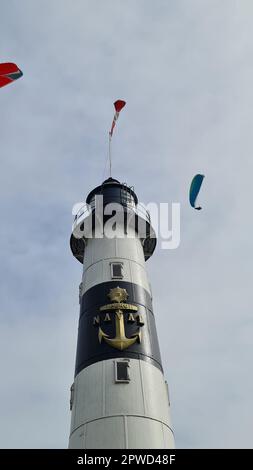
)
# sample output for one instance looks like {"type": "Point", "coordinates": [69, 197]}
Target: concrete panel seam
{"type": "Point", "coordinates": [122, 415]}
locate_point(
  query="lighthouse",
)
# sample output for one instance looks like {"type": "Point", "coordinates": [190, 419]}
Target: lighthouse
{"type": "Point", "coordinates": [119, 398]}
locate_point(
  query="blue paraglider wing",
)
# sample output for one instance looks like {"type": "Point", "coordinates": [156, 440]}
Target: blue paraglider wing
{"type": "Point", "coordinates": [194, 190]}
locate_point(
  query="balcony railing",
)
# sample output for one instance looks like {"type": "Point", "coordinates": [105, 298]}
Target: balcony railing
{"type": "Point", "coordinates": [86, 210]}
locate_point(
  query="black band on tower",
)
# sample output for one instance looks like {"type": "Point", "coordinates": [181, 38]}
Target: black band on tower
{"type": "Point", "coordinates": [101, 319]}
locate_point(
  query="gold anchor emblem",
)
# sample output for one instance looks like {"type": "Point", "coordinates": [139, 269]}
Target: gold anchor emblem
{"type": "Point", "coordinates": [118, 296]}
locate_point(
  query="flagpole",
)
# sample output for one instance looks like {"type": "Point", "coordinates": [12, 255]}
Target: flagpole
{"type": "Point", "coordinates": [110, 154]}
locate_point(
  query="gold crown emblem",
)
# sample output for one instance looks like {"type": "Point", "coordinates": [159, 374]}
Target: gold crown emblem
{"type": "Point", "coordinates": [118, 295]}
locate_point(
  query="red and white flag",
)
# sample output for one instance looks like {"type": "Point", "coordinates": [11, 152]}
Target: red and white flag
{"type": "Point", "coordinates": [118, 105]}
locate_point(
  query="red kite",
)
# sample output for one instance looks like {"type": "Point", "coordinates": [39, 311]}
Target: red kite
{"type": "Point", "coordinates": [9, 72]}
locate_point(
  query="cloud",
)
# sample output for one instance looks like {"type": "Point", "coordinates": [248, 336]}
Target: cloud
{"type": "Point", "coordinates": [185, 70]}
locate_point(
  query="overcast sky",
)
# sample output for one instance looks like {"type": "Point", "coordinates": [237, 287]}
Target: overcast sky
{"type": "Point", "coordinates": [185, 69]}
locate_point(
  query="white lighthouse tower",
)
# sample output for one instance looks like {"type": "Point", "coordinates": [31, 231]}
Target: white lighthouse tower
{"type": "Point", "coordinates": [119, 398]}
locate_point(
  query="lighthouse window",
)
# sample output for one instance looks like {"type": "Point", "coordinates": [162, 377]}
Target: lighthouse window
{"type": "Point", "coordinates": [122, 372]}
{"type": "Point", "coordinates": [117, 270]}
